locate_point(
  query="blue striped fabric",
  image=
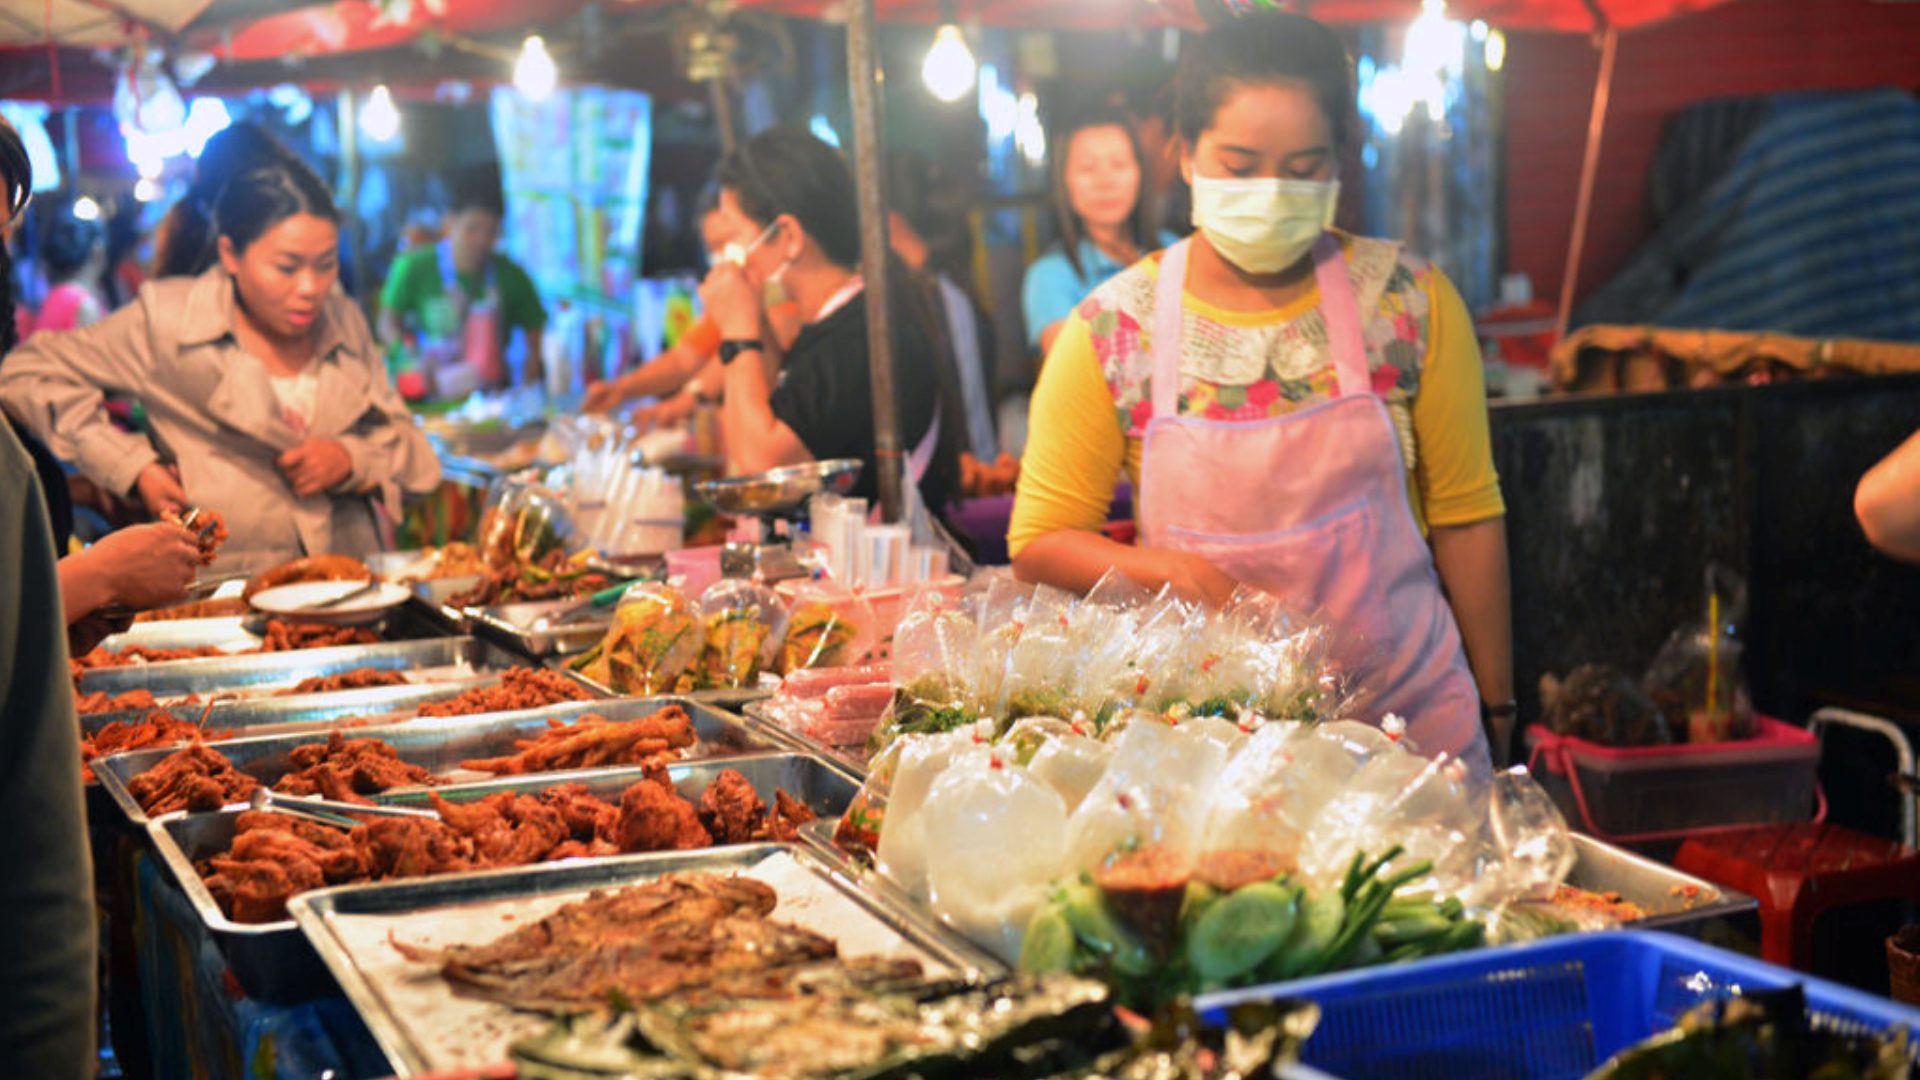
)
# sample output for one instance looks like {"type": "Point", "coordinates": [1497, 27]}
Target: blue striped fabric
{"type": "Point", "coordinates": [1812, 229]}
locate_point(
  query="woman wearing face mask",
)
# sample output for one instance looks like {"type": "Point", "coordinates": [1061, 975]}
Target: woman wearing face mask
{"type": "Point", "coordinates": [1104, 216]}
{"type": "Point", "coordinates": [787, 216]}
{"type": "Point", "coordinates": [266, 397]}
{"type": "Point", "coordinates": [1301, 410]}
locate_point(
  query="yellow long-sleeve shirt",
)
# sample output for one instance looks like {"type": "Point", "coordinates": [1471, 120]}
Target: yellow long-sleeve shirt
{"type": "Point", "coordinates": [1093, 398]}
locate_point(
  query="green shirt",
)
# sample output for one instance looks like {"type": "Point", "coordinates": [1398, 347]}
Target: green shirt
{"type": "Point", "coordinates": [414, 294]}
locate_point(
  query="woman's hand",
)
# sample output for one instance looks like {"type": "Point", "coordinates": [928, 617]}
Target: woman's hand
{"type": "Point", "coordinates": [667, 411]}
{"type": "Point", "coordinates": [602, 396]}
{"type": "Point", "coordinates": [159, 489]}
{"type": "Point", "coordinates": [1197, 579]}
{"type": "Point", "coordinates": [315, 466]}
{"type": "Point", "coordinates": [143, 566]}
{"type": "Point", "coordinates": [732, 301]}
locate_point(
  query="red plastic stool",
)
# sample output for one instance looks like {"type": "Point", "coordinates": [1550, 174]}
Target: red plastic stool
{"type": "Point", "coordinates": [1799, 871]}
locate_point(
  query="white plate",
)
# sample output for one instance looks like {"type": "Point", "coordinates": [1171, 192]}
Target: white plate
{"type": "Point", "coordinates": [294, 600]}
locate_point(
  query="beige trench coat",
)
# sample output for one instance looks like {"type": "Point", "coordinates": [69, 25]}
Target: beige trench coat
{"type": "Point", "coordinates": [211, 406]}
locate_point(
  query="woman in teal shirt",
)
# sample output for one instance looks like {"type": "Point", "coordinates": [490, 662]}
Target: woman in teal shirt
{"type": "Point", "coordinates": [1105, 218]}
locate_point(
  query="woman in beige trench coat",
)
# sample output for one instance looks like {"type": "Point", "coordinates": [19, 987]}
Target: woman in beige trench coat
{"type": "Point", "coordinates": [266, 397]}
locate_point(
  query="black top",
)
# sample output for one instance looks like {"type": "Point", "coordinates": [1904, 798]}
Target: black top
{"type": "Point", "coordinates": [826, 395]}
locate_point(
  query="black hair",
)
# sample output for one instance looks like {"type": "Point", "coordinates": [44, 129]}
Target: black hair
{"type": "Point", "coordinates": [1263, 47]}
{"type": "Point", "coordinates": [478, 194]}
{"type": "Point", "coordinates": [932, 202]}
{"type": "Point", "coordinates": [68, 242]}
{"type": "Point", "coordinates": [16, 185]}
{"type": "Point", "coordinates": [184, 243]}
{"type": "Point", "coordinates": [1072, 231]}
{"type": "Point", "coordinates": [256, 201]}
{"type": "Point", "coordinates": [784, 170]}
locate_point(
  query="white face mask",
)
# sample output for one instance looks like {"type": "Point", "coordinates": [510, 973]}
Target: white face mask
{"type": "Point", "coordinates": [1265, 224]}
{"type": "Point", "coordinates": [773, 293]}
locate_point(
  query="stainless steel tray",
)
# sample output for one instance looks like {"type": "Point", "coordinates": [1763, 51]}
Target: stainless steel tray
{"type": "Point", "coordinates": [1673, 900]}
{"type": "Point", "coordinates": [513, 624]}
{"type": "Point", "coordinates": [733, 698]}
{"type": "Point", "coordinates": [439, 744]}
{"type": "Point", "coordinates": [266, 709]}
{"type": "Point", "coordinates": [257, 672]}
{"type": "Point", "coordinates": [422, 1025]}
{"type": "Point", "coordinates": [273, 962]}
{"type": "Point", "coordinates": [851, 762]}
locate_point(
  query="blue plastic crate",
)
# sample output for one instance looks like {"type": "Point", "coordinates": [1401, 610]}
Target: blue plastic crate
{"type": "Point", "coordinates": [1551, 1009]}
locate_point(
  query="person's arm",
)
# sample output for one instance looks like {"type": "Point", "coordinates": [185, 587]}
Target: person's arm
{"type": "Point", "coordinates": [56, 385]}
{"type": "Point", "coordinates": [1048, 295]}
{"type": "Point", "coordinates": [756, 440]}
{"type": "Point", "coordinates": [1460, 493]}
{"type": "Point", "coordinates": [1887, 502]}
{"type": "Point", "coordinates": [1074, 455]}
{"type": "Point", "coordinates": [138, 567]}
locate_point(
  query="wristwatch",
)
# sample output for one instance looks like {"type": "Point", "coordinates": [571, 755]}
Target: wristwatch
{"type": "Point", "coordinates": [1506, 710]}
{"type": "Point", "coordinates": [732, 348]}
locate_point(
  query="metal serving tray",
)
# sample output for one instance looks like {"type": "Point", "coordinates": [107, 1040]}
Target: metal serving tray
{"type": "Point", "coordinates": [1673, 900]}
{"type": "Point", "coordinates": [483, 659]}
{"type": "Point", "coordinates": [422, 1025]}
{"type": "Point", "coordinates": [439, 744]}
{"type": "Point", "coordinates": [273, 962]}
{"type": "Point", "coordinates": [258, 672]}
{"type": "Point", "coordinates": [513, 624]}
{"type": "Point", "coordinates": [732, 698]}
{"type": "Point", "coordinates": [852, 762]}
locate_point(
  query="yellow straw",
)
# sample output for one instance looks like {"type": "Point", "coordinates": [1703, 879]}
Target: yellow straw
{"type": "Point", "coordinates": [1713, 657]}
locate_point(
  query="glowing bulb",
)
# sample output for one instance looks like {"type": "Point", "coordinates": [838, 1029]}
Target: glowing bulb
{"type": "Point", "coordinates": [1496, 50]}
{"type": "Point", "coordinates": [950, 69]}
{"type": "Point", "coordinates": [1028, 133]}
{"type": "Point", "coordinates": [533, 73]}
{"type": "Point", "coordinates": [146, 190]}
{"type": "Point", "coordinates": [379, 119]}
{"type": "Point", "coordinates": [86, 209]}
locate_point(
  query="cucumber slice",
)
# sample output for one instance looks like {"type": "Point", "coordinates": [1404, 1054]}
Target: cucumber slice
{"type": "Point", "coordinates": [1240, 930]}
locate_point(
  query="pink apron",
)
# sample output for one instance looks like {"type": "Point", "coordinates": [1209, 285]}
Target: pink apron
{"type": "Point", "coordinates": [1312, 507]}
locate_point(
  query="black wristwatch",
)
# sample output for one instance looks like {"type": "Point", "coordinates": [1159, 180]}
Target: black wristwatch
{"type": "Point", "coordinates": [1506, 710]}
{"type": "Point", "coordinates": [736, 346]}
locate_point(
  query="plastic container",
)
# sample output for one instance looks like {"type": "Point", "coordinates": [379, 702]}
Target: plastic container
{"type": "Point", "coordinates": [1640, 794]}
{"type": "Point", "coordinates": [1551, 1009]}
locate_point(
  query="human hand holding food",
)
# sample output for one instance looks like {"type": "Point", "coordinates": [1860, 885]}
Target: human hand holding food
{"type": "Point", "coordinates": [315, 466]}
{"type": "Point", "coordinates": [145, 566]}
{"type": "Point", "coordinates": [159, 489]}
{"type": "Point", "coordinates": [666, 412]}
{"type": "Point", "coordinates": [732, 302]}
{"type": "Point", "coordinates": [603, 396]}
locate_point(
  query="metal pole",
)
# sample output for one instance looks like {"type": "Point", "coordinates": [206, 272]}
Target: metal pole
{"type": "Point", "coordinates": [864, 77]}
{"type": "Point", "coordinates": [722, 97]}
{"type": "Point", "coordinates": [1589, 169]}
{"type": "Point", "coordinates": [348, 190]}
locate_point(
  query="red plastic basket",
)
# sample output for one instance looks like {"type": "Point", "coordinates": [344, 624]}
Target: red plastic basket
{"type": "Point", "coordinates": [1648, 794]}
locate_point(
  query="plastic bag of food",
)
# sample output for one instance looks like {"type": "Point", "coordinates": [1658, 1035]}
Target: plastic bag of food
{"type": "Point", "coordinates": [1395, 797]}
{"type": "Point", "coordinates": [1261, 804]}
{"type": "Point", "coordinates": [523, 522]}
{"type": "Point", "coordinates": [1601, 704]}
{"type": "Point", "coordinates": [828, 625]}
{"type": "Point", "coordinates": [933, 662]}
{"type": "Point", "coordinates": [745, 626]}
{"type": "Point", "coordinates": [653, 645]}
{"type": "Point", "coordinates": [907, 771]}
{"type": "Point", "coordinates": [1040, 663]}
{"type": "Point", "coordinates": [1696, 679]}
{"type": "Point", "coordinates": [995, 835]}
{"type": "Point", "coordinates": [1072, 762]}
{"type": "Point", "coordinates": [1152, 795]}
{"type": "Point", "coordinates": [1147, 668]}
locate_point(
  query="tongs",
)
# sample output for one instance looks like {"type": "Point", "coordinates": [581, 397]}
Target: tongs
{"type": "Point", "coordinates": [575, 610]}
{"type": "Point", "coordinates": [329, 812]}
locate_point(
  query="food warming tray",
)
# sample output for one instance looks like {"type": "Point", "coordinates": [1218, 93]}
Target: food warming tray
{"type": "Point", "coordinates": [273, 962]}
{"type": "Point", "coordinates": [1673, 900]}
{"type": "Point", "coordinates": [423, 1026]}
{"type": "Point", "coordinates": [439, 744]}
{"type": "Point", "coordinates": [256, 672]}
{"type": "Point", "coordinates": [513, 624]}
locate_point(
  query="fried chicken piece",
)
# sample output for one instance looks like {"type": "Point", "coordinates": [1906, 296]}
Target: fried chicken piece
{"type": "Point", "coordinates": [588, 816]}
{"type": "Point", "coordinates": [257, 891]}
{"type": "Point", "coordinates": [732, 811]}
{"type": "Point", "coordinates": [285, 636]}
{"type": "Point", "coordinates": [518, 688]}
{"type": "Point", "coordinates": [578, 849]}
{"type": "Point", "coordinates": [156, 728]}
{"type": "Point", "coordinates": [654, 817]}
{"type": "Point", "coordinates": [336, 865]}
{"type": "Point", "coordinates": [358, 679]}
{"type": "Point", "coordinates": [595, 741]}
{"type": "Point", "coordinates": [209, 531]}
{"type": "Point", "coordinates": [100, 701]}
{"type": "Point", "coordinates": [342, 768]}
{"type": "Point", "coordinates": [192, 778]}
{"type": "Point", "coordinates": [789, 814]}
{"type": "Point", "coordinates": [411, 847]}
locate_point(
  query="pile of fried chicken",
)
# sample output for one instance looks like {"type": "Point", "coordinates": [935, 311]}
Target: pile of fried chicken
{"type": "Point", "coordinates": [518, 688]}
{"type": "Point", "coordinates": [274, 856]}
{"type": "Point", "coordinates": [157, 728]}
{"type": "Point", "coordinates": [594, 741]}
{"type": "Point", "coordinates": [348, 770]}
{"type": "Point", "coordinates": [191, 778]}
{"type": "Point", "coordinates": [360, 678]}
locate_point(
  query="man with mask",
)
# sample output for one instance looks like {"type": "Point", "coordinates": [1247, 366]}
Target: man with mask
{"type": "Point", "coordinates": [462, 301]}
{"type": "Point", "coordinates": [47, 955]}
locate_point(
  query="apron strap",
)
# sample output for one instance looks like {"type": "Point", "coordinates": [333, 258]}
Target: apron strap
{"type": "Point", "coordinates": [922, 456]}
{"type": "Point", "coordinates": [1341, 313]}
{"type": "Point", "coordinates": [1167, 314]}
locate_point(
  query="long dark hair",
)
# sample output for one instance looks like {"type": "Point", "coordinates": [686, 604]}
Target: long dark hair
{"type": "Point", "coordinates": [16, 187]}
{"type": "Point", "coordinates": [1072, 231]}
{"type": "Point", "coordinates": [185, 241]}
{"type": "Point", "coordinates": [784, 170]}
{"type": "Point", "coordinates": [256, 201]}
{"type": "Point", "coordinates": [1262, 47]}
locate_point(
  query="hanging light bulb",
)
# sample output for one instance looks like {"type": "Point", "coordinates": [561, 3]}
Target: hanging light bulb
{"type": "Point", "coordinates": [533, 73]}
{"type": "Point", "coordinates": [379, 120]}
{"type": "Point", "coordinates": [86, 209]}
{"type": "Point", "coordinates": [147, 190]}
{"type": "Point", "coordinates": [1496, 50]}
{"type": "Point", "coordinates": [950, 68]}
